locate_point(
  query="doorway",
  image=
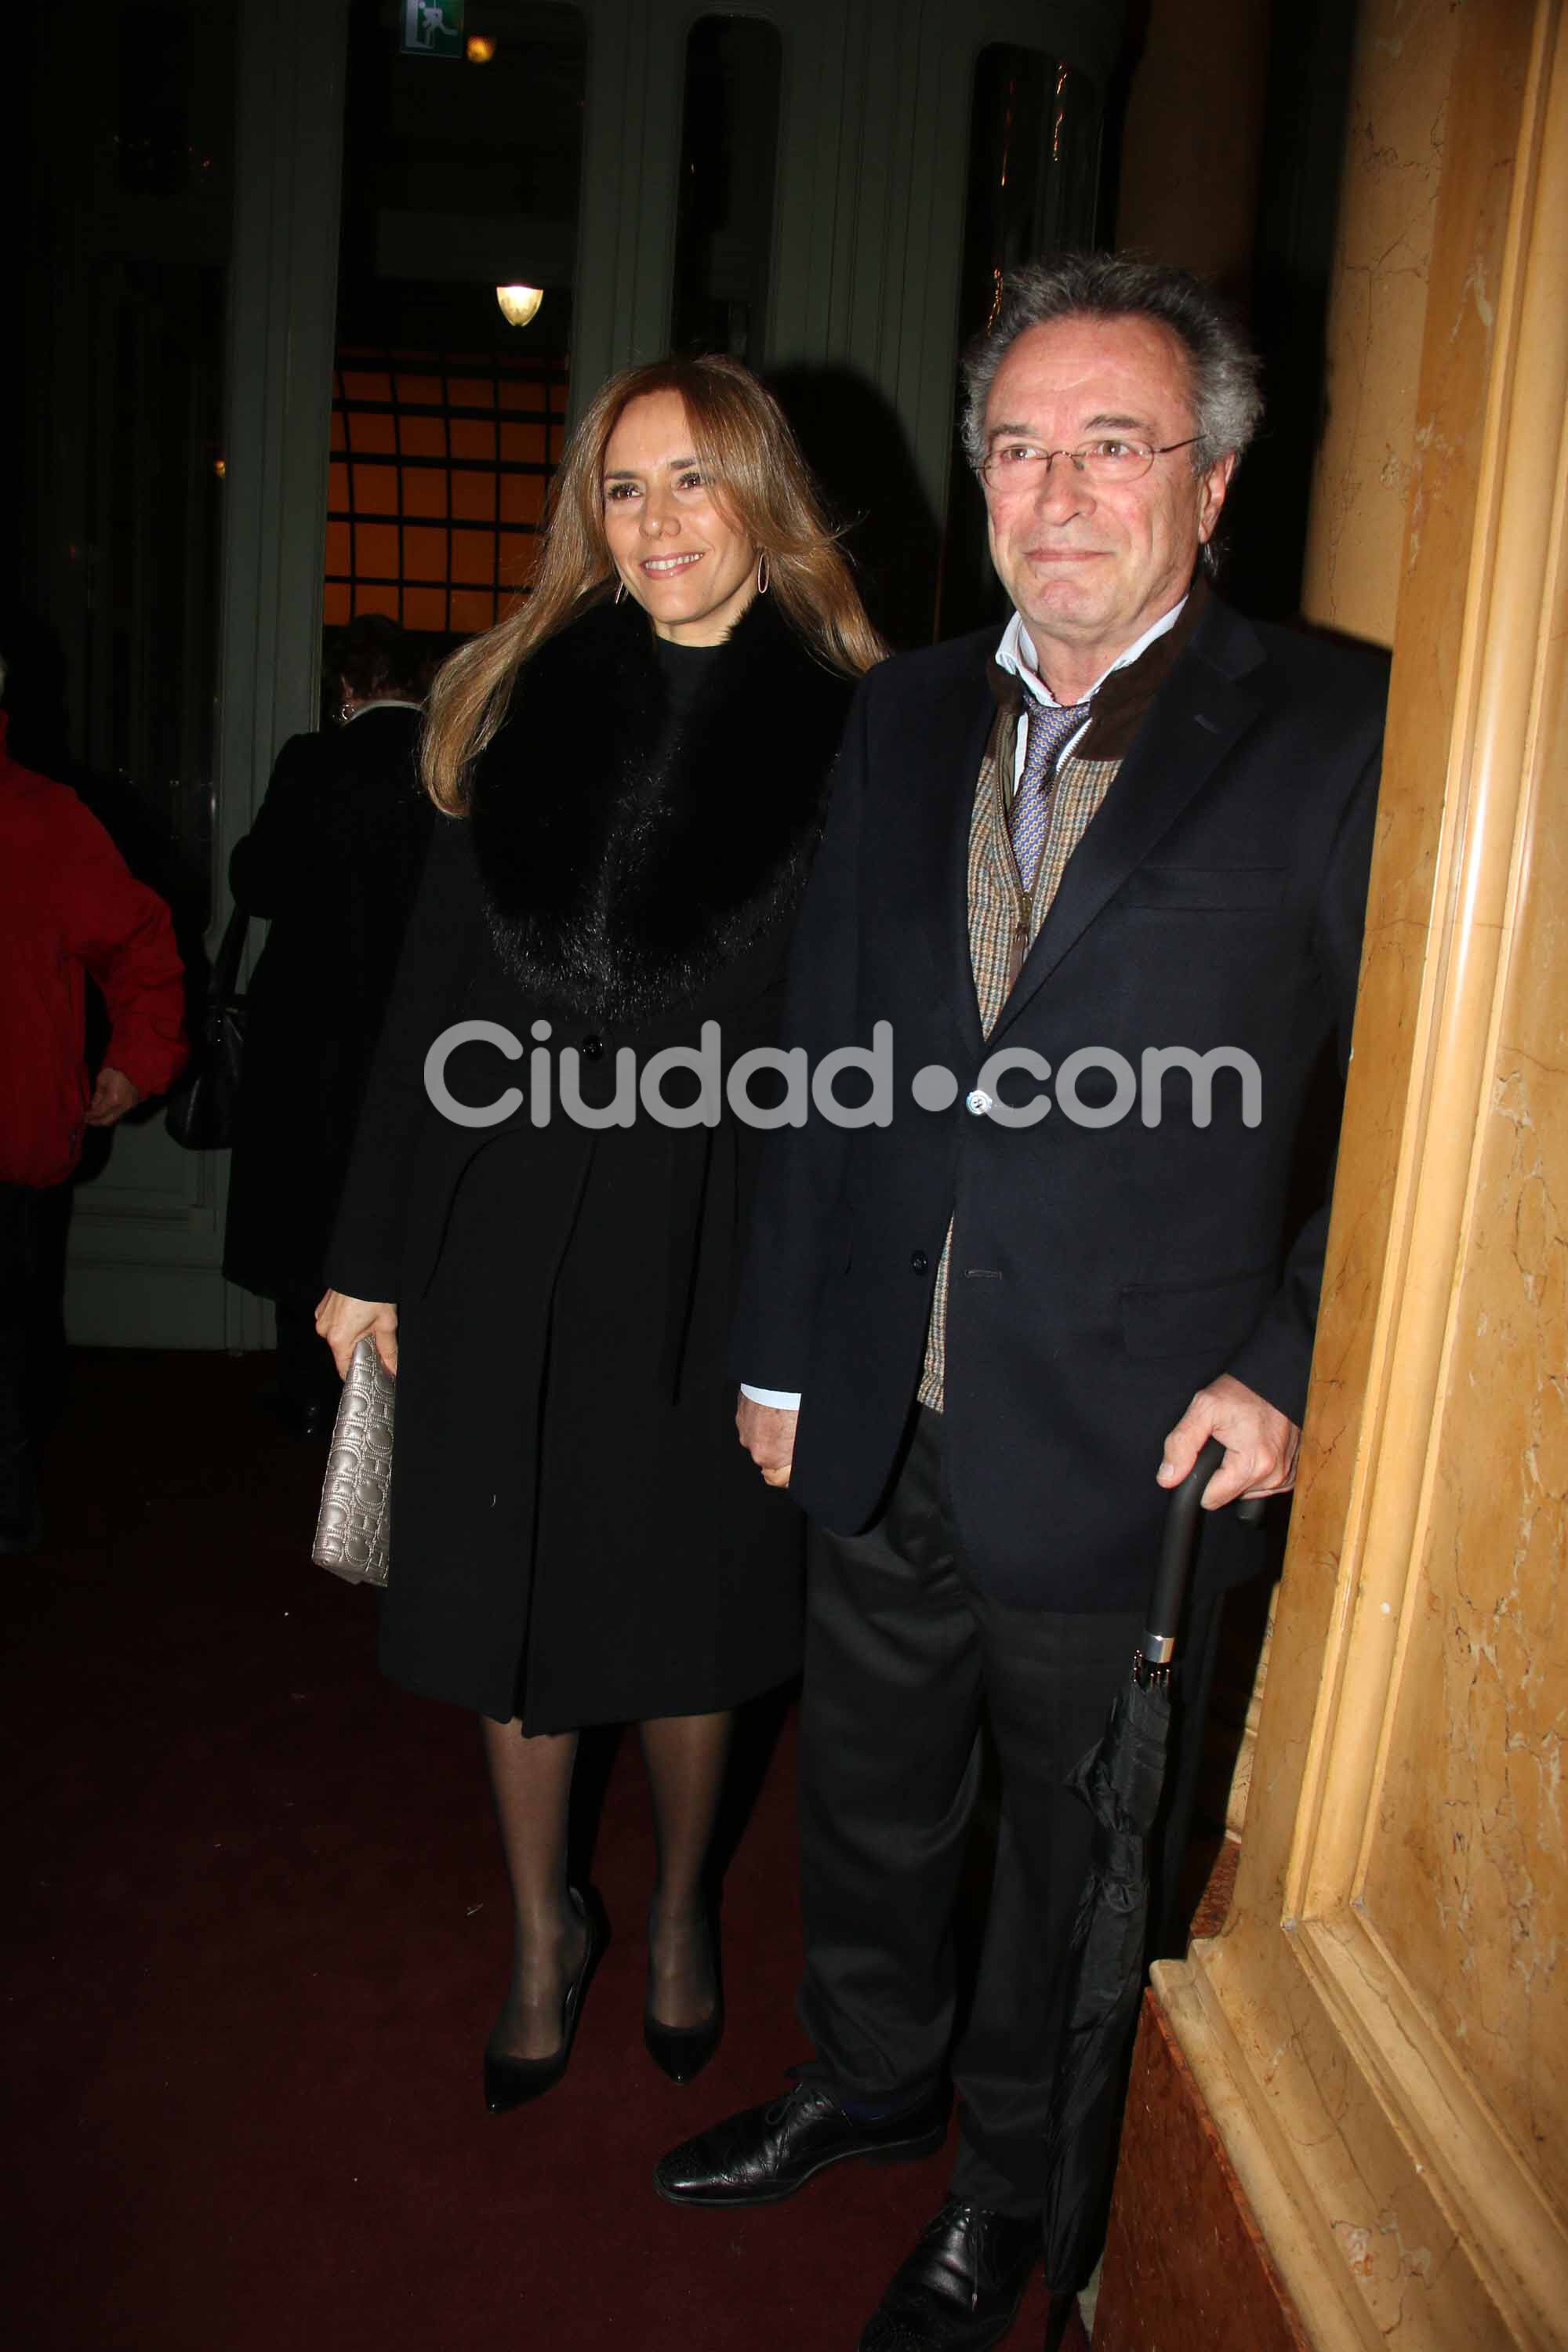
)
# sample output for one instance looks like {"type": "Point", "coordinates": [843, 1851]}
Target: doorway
{"type": "Point", "coordinates": [275, 386]}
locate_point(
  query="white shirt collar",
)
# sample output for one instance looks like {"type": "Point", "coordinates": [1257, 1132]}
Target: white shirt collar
{"type": "Point", "coordinates": [1016, 654]}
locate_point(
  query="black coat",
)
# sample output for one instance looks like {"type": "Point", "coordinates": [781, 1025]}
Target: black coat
{"type": "Point", "coordinates": [333, 859]}
{"type": "Point", "coordinates": [1099, 1274]}
{"type": "Point", "coordinates": [576, 1534]}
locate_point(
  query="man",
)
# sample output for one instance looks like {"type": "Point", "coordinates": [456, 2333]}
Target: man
{"type": "Point", "coordinates": [68, 908]}
{"type": "Point", "coordinates": [1064, 868]}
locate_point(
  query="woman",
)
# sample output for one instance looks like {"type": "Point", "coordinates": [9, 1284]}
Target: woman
{"type": "Point", "coordinates": [334, 859]}
{"type": "Point", "coordinates": [632, 771]}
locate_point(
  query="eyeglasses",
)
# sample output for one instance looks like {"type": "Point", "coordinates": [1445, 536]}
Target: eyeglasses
{"type": "Point", "coordinates": [1019, 465]}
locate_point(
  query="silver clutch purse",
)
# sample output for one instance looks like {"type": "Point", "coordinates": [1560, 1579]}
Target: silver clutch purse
{"type": "Point", "coordinates": [354, 1530]}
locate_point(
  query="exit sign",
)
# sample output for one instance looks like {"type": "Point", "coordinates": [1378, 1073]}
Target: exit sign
{"type": "Point", "coordinates": [433, 29]}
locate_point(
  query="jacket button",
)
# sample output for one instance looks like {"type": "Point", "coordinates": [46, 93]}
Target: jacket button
{"type": "Point", "coordinates": [918, 1262]}
{"type": "Point", "coordinates": [592, 1048]}
{"type": "Point", "coordinates": [978, 1103]}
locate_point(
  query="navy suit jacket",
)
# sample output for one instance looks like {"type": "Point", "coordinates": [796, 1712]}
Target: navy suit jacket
{"type": "Point", "coordinates": [1100, 1274]}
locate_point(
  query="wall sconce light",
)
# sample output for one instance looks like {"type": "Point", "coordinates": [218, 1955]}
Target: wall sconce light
{"type": "Point", "coordinates": [518, 304]}
{"type": "Point", "coordinates": [481, 48]}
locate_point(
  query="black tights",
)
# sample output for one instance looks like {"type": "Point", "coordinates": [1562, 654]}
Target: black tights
{"type": "Point", "coordinates": [531, 1778]}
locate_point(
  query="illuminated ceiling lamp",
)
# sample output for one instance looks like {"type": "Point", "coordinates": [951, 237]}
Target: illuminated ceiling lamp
{"type": "Point", "coordinates": [481, 48]}
{"type": "Point", "coordinates": [518, 304]}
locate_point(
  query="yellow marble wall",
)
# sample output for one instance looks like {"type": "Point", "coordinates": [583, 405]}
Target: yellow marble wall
{"type": "Point", "coordinates": [1469, 1872]}
{"type": "Point", "coordinates": [1388, 197]}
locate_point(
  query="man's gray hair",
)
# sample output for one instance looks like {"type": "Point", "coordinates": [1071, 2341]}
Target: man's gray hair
{"type": "Point", "coordinates": [1225, 400]}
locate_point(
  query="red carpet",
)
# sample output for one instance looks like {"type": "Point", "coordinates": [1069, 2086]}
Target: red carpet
{"type": "Point", "coordinates": [259, 1931]}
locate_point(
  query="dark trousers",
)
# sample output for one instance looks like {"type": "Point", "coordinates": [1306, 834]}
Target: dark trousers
{"type": "Point", "coordinates": [902, 1655]}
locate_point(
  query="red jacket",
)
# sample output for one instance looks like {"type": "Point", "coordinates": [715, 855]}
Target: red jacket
{"type": "Point", "coordinates": [71, 905]}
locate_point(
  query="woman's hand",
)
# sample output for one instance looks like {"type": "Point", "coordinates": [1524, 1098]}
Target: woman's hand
{"type": "Point", "coordinates": [343, 1322]}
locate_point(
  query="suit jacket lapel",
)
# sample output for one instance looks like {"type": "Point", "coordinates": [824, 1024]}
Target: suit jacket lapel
{"type": "Point", "coordinates": [946, 755]}
{"type": "Point", "coordinates": [1204, 709]}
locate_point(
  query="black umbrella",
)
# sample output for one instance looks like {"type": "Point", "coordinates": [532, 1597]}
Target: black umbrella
{"type": "Point", "coordinates": [1120, 1779]}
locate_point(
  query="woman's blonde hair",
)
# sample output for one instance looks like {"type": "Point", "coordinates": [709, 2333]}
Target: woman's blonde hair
{"type": "Point", "coordinates": [743, 441]}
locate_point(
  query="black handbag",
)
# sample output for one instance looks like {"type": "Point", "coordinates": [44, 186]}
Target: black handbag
{"type": "Point", "coordinates": [202, 1114]}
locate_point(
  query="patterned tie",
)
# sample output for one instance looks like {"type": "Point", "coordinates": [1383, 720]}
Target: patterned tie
{"type": "Point", "coordinates": [1049, 728]}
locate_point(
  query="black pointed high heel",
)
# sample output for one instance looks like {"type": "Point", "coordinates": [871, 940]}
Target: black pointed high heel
{"type": "Point", "coordinates": [681, 2052]}
{"type": "Point", "coordinates": [513, 2081]}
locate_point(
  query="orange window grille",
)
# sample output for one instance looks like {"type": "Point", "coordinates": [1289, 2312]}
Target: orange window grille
{"type": "Point", "coordinates": [440, 470]}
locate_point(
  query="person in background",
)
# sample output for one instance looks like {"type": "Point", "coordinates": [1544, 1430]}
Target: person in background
{"type": "Point", "coordinates": [632, 770]}
{"type": "Point", "coordinates": [332, 860]}
{"type": "Point", "coordinates": [70, 911]}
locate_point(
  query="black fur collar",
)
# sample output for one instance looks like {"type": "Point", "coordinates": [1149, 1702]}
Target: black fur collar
{"type": "Point", "coordinates": [626, 861]}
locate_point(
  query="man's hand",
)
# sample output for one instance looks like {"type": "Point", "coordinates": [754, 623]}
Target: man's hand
{"type": "Point", "coordinates": [1259, 1443]}
{"type": "Point", "coordinates": [112, 1096]}
{"type": "Point", "coordinates": [343, 1323]}
{"type": "Point", "coordinates": [768, 1436]}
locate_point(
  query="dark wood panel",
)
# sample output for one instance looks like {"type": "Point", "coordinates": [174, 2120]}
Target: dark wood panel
{"type": "Point", "coordinates": [1186, 2268]}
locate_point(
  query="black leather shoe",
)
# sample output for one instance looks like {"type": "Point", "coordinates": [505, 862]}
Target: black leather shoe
{"type": "Point", "coordinates": [682, 2050]}
{"type": "Point", "coordinates": [961, 2288]}
{"type": "Point", "coordinates": [767, 2153]}
{"type": "Point", "coordinates": [512, 2082]}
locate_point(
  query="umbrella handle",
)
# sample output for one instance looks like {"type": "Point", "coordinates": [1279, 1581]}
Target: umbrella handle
{"type": "Point", "coordinates": [1176, 1544]}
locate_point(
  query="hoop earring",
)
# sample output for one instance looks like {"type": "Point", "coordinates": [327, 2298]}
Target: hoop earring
{"type": "Point", "coordinates": [345, 712]}
{"type": "Point", "coordinates": [620, 590]}
{"type": "Point", "coordinates": [763, 574]}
